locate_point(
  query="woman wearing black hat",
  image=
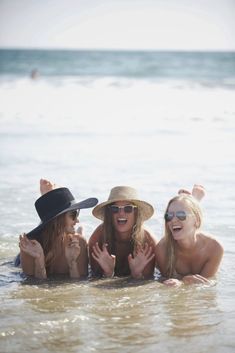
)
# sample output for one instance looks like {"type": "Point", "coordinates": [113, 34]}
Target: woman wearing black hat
{"type": "Point", "coordinates": [53, 247]}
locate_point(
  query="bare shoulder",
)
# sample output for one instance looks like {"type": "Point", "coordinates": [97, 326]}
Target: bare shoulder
{"type": "Point", "coordinates": [161, 247]}
{"type": "Point", "coordinates": [210, 242]}
{"type": "Point", "coordinates": [150, 236]}
{"type": "Point", "coordinates": [96, 235]}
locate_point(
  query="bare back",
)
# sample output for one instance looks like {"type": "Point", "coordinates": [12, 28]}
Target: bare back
{"type": "Point", "coordinates": [203, 259]}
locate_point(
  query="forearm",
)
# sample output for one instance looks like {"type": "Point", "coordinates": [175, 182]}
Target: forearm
{"type": "Point", "coordinates": [73, 269]}
{"type": "Point", "coordinates": [39, 268]}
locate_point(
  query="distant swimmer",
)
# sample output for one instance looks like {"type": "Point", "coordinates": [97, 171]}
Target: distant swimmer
{"type": "Point", "coordinates": [34, 74]}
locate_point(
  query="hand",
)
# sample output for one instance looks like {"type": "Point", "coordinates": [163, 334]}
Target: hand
{"type": "Point", "coordinates": [72, 248]}
{"type": "Point", "coordinates": [172, 282]}
{"type": "Point", "coordinates": [195, 279]}
{"type": "Point", "coordinates": [137, 263]}
{"type": "Point", "coordinates": [106, 261]}
{"type": "Point", "coordinates": [30, 247]}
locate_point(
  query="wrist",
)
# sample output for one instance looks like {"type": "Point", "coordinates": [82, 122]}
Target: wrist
{"type": "Point", "coordinates": [108, 274]}
{"type": "Point", "coordinates": [138, 276]}
{"type": "Point", "coordinates": [72, 263]}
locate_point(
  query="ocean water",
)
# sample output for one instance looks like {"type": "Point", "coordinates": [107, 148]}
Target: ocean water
{"type": "Point", "coordinates": [91, 120]}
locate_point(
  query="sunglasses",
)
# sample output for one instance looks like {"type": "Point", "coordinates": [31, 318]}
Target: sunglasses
{"type": "Point", "coordinates": [181, 215]}
{"type": "Point", "coordinates": [74, 214]}
{"type": "Point", "coordinates": [126, 209]}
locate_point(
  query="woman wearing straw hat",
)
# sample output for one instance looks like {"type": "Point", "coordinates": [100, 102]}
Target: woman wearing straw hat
{"type": "Point", "coordinates": [53, 247]}
{"type": "Point", "coordinates": [121, 246]}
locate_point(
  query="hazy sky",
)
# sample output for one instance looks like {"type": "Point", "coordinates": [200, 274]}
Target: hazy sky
{"type": "Point", "coordinates": [118, 24]}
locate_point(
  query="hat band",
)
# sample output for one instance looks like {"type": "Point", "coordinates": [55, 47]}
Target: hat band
{"type": "Point", "coordinates": [57, 211]}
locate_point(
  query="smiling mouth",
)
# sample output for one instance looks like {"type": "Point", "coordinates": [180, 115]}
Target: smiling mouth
{"type": "Point", "coordinates": [176, 228]}
{"type": "Point", "coordinates": [121, 220]}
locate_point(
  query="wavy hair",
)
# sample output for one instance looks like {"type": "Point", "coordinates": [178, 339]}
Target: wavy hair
{"type": "Point", "coordinates": [137, 236]}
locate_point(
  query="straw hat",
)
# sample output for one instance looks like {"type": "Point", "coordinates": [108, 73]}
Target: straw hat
{"type": "Point", "coordinates": [54, 203]}
{"type": "Point", "coordinates": [124, 193]}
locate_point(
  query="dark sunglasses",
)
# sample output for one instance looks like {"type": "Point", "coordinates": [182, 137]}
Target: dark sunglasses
{"type": "Point", "coordinates": [181, 215]}
{"type": "Point", "coordinates": [126, 209]}
{"type": "Point", "coordinates": [74, 214]}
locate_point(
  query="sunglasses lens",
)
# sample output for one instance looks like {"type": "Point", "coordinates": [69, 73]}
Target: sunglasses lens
{"type": "Point", "coordinates": [181, 215]}
{"type": "Point", "coordinates": [168, 216]}
{"type": "Point", "coordinates": [114, 208]}
{"type": "Point", "coordinates": [128, 208]}
{"type": "Point", "coordinates": [74, 214]}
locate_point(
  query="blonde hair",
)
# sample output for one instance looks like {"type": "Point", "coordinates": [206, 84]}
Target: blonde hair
{"type": "Point", "coordinates": [170, 241]}
{"type": "Point", "coordinates": [137, 236]}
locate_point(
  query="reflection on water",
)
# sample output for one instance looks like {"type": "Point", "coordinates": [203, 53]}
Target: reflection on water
{"type": "Point", "coordinates": [185, 318]}
{"type": "Point", "coordinates": [106, 315]}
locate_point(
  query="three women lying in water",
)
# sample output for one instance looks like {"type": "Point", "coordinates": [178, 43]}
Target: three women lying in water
{"type": "Point", "coordinates": [120, 245]}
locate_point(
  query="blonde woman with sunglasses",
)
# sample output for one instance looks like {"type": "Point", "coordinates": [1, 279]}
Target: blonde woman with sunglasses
{"type": "Point", "coordinates": [53, 247]}
{"type": "Point", "coordinates": [186, 254]}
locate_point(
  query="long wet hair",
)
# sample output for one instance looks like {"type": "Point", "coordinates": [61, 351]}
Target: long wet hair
{"type": "Point", "coordinates": [137, 235]}
{"type": "Point", "coordinates": [170, 241]}
{"type": "Point", "coordinates": [52, 238]}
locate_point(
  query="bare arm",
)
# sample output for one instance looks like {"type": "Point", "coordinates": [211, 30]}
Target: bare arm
{"type": "Point", "coordinates": [96, 237]}
{"type": "Point", "coordinates": [32, 257]}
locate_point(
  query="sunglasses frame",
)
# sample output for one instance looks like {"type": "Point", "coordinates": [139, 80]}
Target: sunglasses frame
{"type": "Point", "coordinates": [181, 215]}
{"type": "Point", "coordinates": [74, 214]}
{"type": "Point", "coordinates": [124, 208]}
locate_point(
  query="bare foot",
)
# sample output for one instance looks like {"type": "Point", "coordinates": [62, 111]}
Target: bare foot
{"type": "Point", "coordinates": [184, 191]}
{"type": "Point", "coordinates": [46, 185]}
{"type": "Point", "coordinates": [198, 191]}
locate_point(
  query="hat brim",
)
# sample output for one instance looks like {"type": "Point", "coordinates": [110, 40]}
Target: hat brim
{"type": "Point", "coordinates": [146, 209]}
{"type": "Point", "coordinates": [88, 203]}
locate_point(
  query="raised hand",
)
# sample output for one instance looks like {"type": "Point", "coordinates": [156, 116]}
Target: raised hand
{"type": "Point", "coordinates": [72, 248]}
{"type": "Point", "coordinates": [106, 261]}
{"type": "Point", "coordinates": [137, 263]}
{"type": "Point", "coordinates": [34, 249]}
{"type": "Point", "coordinates": [30, 247]}
{"type": "Point", "coordinates": [72, 252]}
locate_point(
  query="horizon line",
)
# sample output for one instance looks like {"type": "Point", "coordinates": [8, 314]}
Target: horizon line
{"type": "Point", "coordinates": [117, 49]}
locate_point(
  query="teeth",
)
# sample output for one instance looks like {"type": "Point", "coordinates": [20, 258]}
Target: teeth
{"type": "Point", "coordinates": [122, 220]}
{"type": "Point", "coordinates": [176, 227]}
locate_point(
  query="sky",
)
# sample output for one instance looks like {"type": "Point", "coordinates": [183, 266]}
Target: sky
{"type": "Point", "coordinates": [118, 24]}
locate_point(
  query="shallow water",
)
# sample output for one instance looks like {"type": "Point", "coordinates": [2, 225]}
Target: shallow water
{"type": "Point", "coordinates": [90, 134]}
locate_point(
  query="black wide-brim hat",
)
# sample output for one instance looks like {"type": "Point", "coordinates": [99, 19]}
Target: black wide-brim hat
{"type": "Point", "coordinates": [53, 204]}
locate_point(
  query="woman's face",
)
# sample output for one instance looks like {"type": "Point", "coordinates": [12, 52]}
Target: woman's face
{"type": "Point", "coordinates": [180, 220]}
{"type": "Point", "coordinates": [123, 217]}
{"type": "Point", "coordinates": [71, 219]}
